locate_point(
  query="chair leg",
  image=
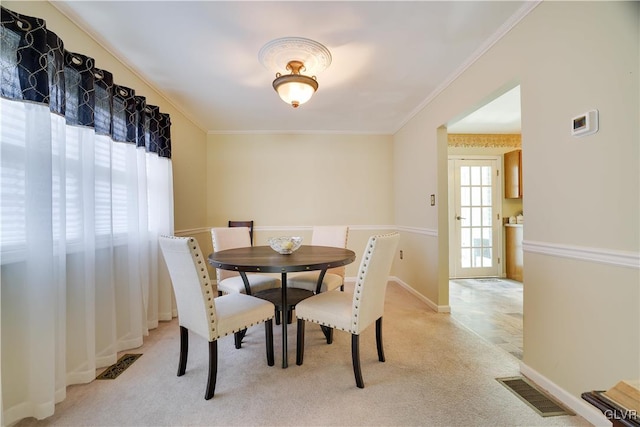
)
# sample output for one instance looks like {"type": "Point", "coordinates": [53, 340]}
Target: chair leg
{"type": "Point", "coordinates": [300, 342]}
{"type": "Point", "coordinates": [355, 357]}
{"type": "Point", "coordinates": [277, 316]}
{"type": "Point", "coordinates": [379, 339]}
{"type": "Point", "coordinates": [268, 328]}
{"type": "Point", "coordinates": [184, 349]}
{"type": "Point", "coordinates": [213, 370]}
{"type": "Point", "coordinates": [289, 316]}
{"type": "Point", "coordinates": [328, 333]}
{"type": "Point", "coordinates": [238, 337]}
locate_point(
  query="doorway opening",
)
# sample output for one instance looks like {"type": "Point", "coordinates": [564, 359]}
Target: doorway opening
{"type": "Point", "coordinates": [481, 298]}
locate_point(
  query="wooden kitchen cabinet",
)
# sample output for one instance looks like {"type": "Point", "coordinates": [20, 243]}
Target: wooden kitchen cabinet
{"type": "Point", "coordinates": [513, 175]}
{"type": "Point", "coordinates": [514, 254]}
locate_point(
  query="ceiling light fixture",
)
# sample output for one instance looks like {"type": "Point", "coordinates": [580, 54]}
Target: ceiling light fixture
{"type": "Point", "coordinates": [295, 88]}
{"type": "Point", "coordinates": [296, 55]}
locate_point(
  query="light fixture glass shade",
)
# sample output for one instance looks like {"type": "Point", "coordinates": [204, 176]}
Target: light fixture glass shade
{"type": "Point", "coordinates": [297, 55]}
{"type": "Point", "coordinates": [295, 89]}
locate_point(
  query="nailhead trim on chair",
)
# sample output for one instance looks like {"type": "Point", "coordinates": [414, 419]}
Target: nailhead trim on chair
{"type": "Point", "coordinates": [358, 289]}
{"type": "Point", "coordinates": [207, 290]}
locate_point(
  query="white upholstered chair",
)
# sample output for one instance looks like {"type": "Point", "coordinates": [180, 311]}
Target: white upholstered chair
{"type": "Point", "coordinates": [355, 312]}
{"type": "Point", "coordinates": [248, 224]}
{"type": "Point", "coordinates": [325, 235]}
{"type": "Point", "coordinates": [230, 282]}
{"type": "Point", "coordinates": [200, 312]}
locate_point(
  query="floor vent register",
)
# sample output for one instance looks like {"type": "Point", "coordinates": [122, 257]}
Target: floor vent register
{"type": "Point", "coordinates": [119, 367]}
{"type": "Point", "coordinates": [540, 402]}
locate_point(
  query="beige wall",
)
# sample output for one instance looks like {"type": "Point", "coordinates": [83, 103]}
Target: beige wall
{"type": "Point", "coordinates": [581, 321]}
{"type": "Point", "coordinates": [188, 140]}
{"type": "Point", "coordinates": [287, 183]}
{"type": "Point", "coordinates": [298, 180]}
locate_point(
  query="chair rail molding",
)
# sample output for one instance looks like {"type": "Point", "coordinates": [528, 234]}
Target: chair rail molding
{"type": "Point", "coordinates": [600, 255]}
{"type": "Point", "coordinates": [191, 231]}
{"type": "Point", "coordinates": [414, 230]}
{"type": "Point", "coordinates": [419, 230]}
{"type": "Point", "coordinates": [310, 227]}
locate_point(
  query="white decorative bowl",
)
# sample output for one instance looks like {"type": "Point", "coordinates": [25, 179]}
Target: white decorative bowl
{"type": "Point", "coordinates": [285, 245]}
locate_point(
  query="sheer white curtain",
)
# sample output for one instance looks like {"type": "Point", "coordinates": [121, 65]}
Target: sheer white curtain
{"type": "Point", "coordinates": [85, 190]}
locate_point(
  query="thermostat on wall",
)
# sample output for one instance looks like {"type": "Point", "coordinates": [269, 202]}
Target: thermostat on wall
{"type": "Point", "coordinates": [585, 124]}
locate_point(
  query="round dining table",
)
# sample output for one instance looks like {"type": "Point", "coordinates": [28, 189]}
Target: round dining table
{"type": "Point", "coordinates": [263, 259]}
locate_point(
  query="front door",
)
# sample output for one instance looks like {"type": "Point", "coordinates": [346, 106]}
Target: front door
{"type": "Point", "coordinates": [474, 223]}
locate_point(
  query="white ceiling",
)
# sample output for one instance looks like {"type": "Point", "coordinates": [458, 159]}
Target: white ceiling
{"type": "Point", "coordinates": [502, 115]}
{"type": "Point", "coordinates": [389, 58]}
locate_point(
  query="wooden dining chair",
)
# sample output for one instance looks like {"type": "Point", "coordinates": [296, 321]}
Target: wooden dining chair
{"type": "Point", "coordinates": [230, 281]}
{"type": "Point", "coordinates": [200, 312]}
{"type": "Point", "coordinates": [248, 224]}
{"type": "Point", "coordinates": [355, 312]}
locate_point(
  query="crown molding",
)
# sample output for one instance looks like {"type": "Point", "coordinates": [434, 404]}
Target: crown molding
{"type": "Point", "coordinates": [527, 7]}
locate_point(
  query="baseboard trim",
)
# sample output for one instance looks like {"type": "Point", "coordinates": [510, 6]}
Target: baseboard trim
{"type": "Point", "coordinates": [432, 305]}
{"type": "Point", "coordinates": [579, 406]}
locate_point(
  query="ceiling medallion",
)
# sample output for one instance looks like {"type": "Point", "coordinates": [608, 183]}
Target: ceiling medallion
{"type": "Point", "coordinates": [295, 55]}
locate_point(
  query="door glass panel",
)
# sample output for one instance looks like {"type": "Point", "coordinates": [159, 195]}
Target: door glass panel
{"type": "Point", "coordinates": [486, 257]}
{"type": "Point", "coordinates": [465, 213]}
{"type": "Point", "coordinates": [465, 238]}
{"type": "Point", "coordinates": [476, 217]}
{"type": "Point", "coordinates": [479, 247]}
{"type": "Point", "coordinates": [464, 176]}
{"type": "Point", "coordinates": [465, 258]}
{"type": "Point", "coordinates": [486, 196]}
{"type": "Point", "coordinates": [475, 175]}
{"type": "Point", "coordinates": [486, 217]}
{"type": "Point", "coordinates": [487, 236]}
{"type": "Point", "coordinates": [465, 196]}
{"type": "Point", "coordinates": [476, 222]}
{"type": "Point", "coordinates": [475, 196]}
{"type": "Point", "coordinates": [486, 176]}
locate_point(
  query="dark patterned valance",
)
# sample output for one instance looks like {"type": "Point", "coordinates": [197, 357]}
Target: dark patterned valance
{"type": "Point", "coordinates": [34, 66]}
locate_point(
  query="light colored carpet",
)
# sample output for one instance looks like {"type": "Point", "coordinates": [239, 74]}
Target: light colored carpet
{"type": "Point", "coordinates": [437, 373]}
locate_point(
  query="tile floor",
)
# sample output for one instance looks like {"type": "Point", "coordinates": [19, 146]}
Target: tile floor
{"type": "Point", "coordinates": [491, 308]}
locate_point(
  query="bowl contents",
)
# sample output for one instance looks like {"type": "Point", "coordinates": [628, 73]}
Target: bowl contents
{"type": "Point", "coordinates": [285, 245]}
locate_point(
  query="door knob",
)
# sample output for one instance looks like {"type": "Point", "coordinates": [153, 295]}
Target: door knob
{"type": "Point", "coordinates": [459, 218]}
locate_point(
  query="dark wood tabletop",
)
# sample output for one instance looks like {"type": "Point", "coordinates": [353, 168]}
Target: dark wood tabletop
{"type": "Point", "coordinates": [263, 259]}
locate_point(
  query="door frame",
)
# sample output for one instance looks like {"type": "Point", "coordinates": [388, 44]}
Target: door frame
{"type": "Point", "coordinates": [498, 230]}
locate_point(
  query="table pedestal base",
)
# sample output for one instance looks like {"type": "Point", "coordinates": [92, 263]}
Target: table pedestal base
{"type": "Point", "coordinates": [294, 296]}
